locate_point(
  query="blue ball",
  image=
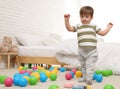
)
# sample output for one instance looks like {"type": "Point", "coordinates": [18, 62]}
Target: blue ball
{"type": "Point", "coordinates": [16, 81]}
{"type": "Point", "coordinates": [62, 69]}
{"type": "Point", "coordinates": [72, 73]}
{"type": "Point", "coordinates": [94, 76]}
{"type": "Point", "coordinates": [43, 78]}
{"type": "Point", "coordinates": [23, 82]}
{"type": "Point", "coordinates": [99, 78]}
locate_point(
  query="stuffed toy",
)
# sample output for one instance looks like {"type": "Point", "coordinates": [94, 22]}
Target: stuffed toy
{"type": "Point", "coordinates": [7, 45]}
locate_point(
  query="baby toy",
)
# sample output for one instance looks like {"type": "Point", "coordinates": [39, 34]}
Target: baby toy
{"type": "Point", "coordinates": [7, 45]}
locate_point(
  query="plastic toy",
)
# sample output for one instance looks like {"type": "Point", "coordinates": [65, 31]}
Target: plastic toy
{"type": "Point", "coordinates": [81, 87]}
{"type": "Point", "coordinates": [16, 81]}
{"type": "Point", "coordinates": [23, 82]}
{"type": "Point", "coordinates": [105, 73]}
{"type": "Point", "coordinates": [74, 70]}
{"type": "Point", "coordinates": [99, 78]}
{"type": "Point", "coordinates": [33, 80]}
{"type": "Point", "coordinates": [108, 86]}
{"type": "Point", "coordinates": [68, 85]}
{"type": "Point", "coordinates": [2, 79]}
{"type": "Point", "coordinates": [68, 76]}
{"type": "Point", "coordinates": [62, 69]}
{"type": "Point", "coordinates": [53, 86]}
{"type": "Point", "coordinates": [78, 73]}
{"type": "Point", "coordinates": [43, 77]}
{"type": "Point", "coordinates": [53, 77]}
{"type": "Point", "coordinates": [72, 73]}
{"type": "Point", "coordinates": [8, 82]}
{"type": "Point", "coordinates": [98, 71]}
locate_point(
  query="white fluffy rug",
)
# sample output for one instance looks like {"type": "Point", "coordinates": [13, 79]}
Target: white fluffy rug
{"type": "Point", "coordinates": [114, 80]}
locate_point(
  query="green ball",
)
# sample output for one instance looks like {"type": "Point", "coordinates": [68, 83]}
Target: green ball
{"type": "Point", "coordinates": [98, 71]}
{"type": "Point", "coordinates": [110, 72]}
{"type": "Point", "coordinates": [24, 68]}
{"type": "Point", "coordinates": [53, 77]}
{"type": "Point", "coordinates": [2, 79]}
{"type": "Point", "coordinates": [105, 73]}
{"type": "Point", "coordinates": [53, 86]}
{"type": "Point", "coordinates": [108, 86]}
{"type": "Point", "coordinates": [33, 80]}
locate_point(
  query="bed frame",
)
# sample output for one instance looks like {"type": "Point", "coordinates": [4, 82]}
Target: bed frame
{"type": "Point", "coordinates": [38, 60]}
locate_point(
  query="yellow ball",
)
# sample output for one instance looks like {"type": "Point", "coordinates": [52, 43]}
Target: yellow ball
{"type": "Point", "coordinates": [26, 77]}
{"type": "Point", "coordinates": [78, 73]}
{"type": "Point", "coordinates": [48, 73]}
{"type": "Point", "coordinates": [20, 68]}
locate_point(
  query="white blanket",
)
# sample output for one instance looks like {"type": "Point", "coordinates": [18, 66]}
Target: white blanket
{"type": "Point", "coordinates": [109, 55]}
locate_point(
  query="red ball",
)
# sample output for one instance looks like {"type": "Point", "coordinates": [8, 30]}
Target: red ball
{"type": "Point", "coordinates": [8, 82]}
{"type": "Point", "coordinates": [68, 76]}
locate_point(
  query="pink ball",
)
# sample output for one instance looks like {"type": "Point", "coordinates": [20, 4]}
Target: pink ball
{"type": "Point", "coordinates": [34, 68]}
{"type": "Point", "coordinates": [8, 82]}
{"type": "Point", "coordinates": [22, 71]}
{"type": "Point", "coordinates": [73, 70]}
{"type": "Point", "coordinates": [68, 76]}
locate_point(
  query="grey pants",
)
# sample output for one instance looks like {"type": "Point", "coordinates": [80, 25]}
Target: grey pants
{"type": "Point", "coordinates": [88, 58]}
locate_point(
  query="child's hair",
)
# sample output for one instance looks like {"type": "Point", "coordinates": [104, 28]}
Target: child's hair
{"type": "Point", "coordinates": [86, 10]}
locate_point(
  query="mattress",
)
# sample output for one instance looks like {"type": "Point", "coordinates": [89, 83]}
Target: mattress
{"type": "Point", "coordinates": [37, 51]}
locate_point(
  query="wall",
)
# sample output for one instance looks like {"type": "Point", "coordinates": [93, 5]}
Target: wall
{"type": "Point", "coordinates": [31, 16]}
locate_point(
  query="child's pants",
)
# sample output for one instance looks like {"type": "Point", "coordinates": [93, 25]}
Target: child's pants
{"type": "Point", "coordinates": [88, 58]}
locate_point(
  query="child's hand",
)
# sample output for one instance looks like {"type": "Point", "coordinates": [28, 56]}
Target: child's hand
{"type": "Point", "coordinates": [110, 25]}
{"type": "Point", "coordinates": [66, 16]}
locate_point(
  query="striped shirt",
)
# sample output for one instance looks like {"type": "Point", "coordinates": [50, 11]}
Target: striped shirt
{"type": "Point", "coordinates": [87, 35]}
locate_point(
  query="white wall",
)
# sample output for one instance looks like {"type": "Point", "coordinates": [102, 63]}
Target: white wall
{"type": "Point", "coordinates": [105, 11]}
{"type": "Point", "coordinates": [31, 16]}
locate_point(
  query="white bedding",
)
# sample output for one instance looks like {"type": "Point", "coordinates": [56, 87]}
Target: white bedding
{"type": "Point", "coordinates": [109, 55]}
{"type": "Point", "coordinates": [37, 51]}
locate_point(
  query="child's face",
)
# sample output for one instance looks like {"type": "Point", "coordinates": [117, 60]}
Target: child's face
{"type": "Point", "coordinates": [86, 19]}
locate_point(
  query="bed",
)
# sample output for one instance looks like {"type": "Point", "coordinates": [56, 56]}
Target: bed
{"type": "Point", "coordinates": [38, 49]}
{"type": "Point", "coordinates": [109, 55]}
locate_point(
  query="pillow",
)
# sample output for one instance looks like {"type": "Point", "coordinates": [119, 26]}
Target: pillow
{"type": "Point", "coordinates": [29, 39]}
{"type": "Point", "coordinates": [51, 42]}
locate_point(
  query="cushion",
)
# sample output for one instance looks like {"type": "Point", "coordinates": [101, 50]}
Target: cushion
{"type": "Point", "coordinates": [29, 39]}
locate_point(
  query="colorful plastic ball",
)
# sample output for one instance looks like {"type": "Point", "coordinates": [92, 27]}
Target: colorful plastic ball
{"type": "Point", "coordinates": [23, 82]}
{"type": "Point", "coordinates": [72, 73]}
{"type": "Point", "coordinates": [99, 78]}
{"type": "Point", "coordinates": [17, 75]}
{"type": "Point", "coordinates": [105, 73]}
{"type": "Point", "coordinates": [98, 71]}
{"type": "Point", "coordinates": [24, 68]}
{"type": "Point", "coordinates": [22, 71]}
{"type": "Point", "coordinates": [74, 70]}
{"type": "Point", "coordinates": [51, 68]}
{"type": "Point", "coordinates": [48, 73]}
{"type": "Point", "coordinates": [108, 86]}
{"type": "Point", "coordinates": [8, 82]}
{"type": "Point", "coordinates": [16, 81]}
{"type": "Point", "coordinates": [78, 73]}
{"type": "Point", "coordinates": [28, 79]}
{"type": "Point", "coordinates": [110, 72]}
{"type": "Point", "coordinates": [34, 68]}
{"type": "Point", "coordinates": [53, 77]}
{"type": "Point", "coordinates": [43, 77]}
{"type": "Point", "coordinates": [94, 76]}
{"type": "Point", "coordinates": [2, 79]}
{"type": "Point", "coordinates": [20, 68]}
{"type": "Point", "coordinates": [33, 80]}
{"type": "Point", "coordinates": [68, 76]}
{"type": "Point", "coordinates": [54, 86]}
{"type": "Point", "coordinates": [62, 69]}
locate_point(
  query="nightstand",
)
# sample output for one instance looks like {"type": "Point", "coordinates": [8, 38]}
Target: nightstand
{"type": "Point", "coordinates": [9, 58]}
